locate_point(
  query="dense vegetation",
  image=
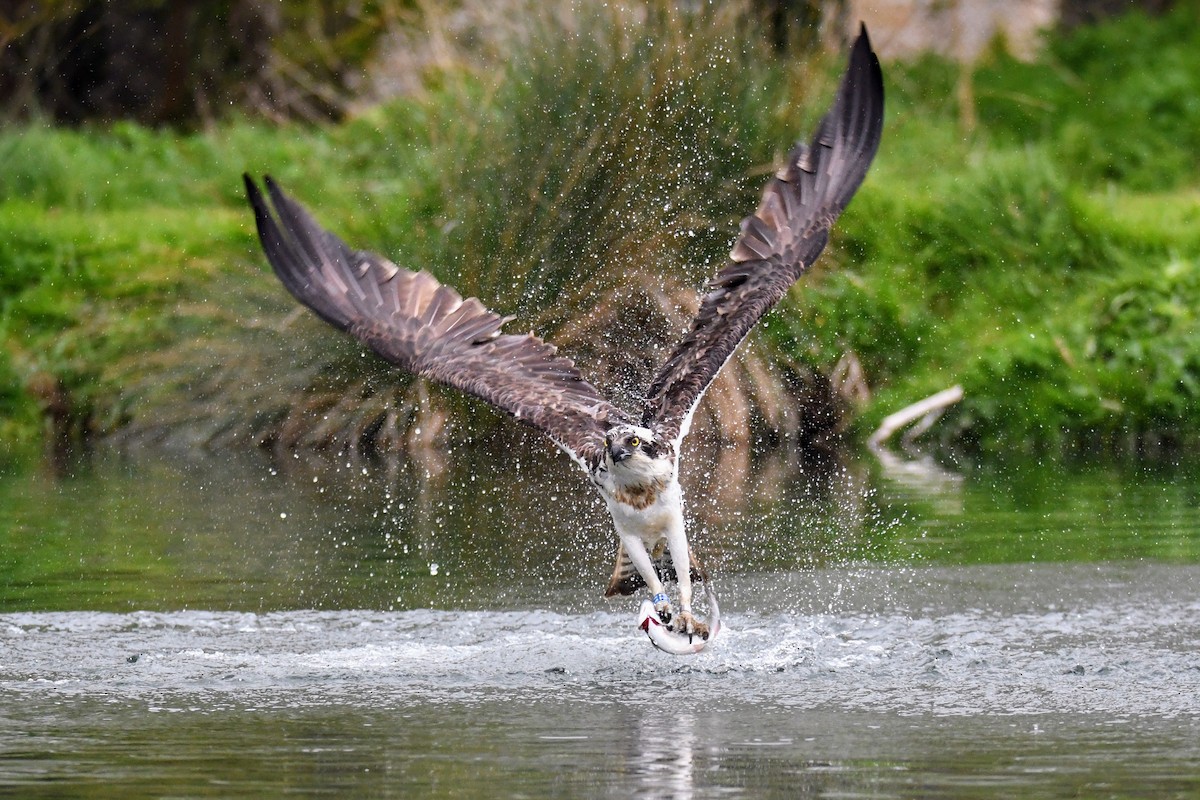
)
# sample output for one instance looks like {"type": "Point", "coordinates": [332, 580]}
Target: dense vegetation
{"type": "Point", "coordinates": [1047, 261]}
{"type": "Point", "coordinates": [1029, 231]}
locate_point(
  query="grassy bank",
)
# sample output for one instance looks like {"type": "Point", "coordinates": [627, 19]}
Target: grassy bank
{"type": "Point", "coordinates": [1028, 231]}
{"type": "Point", "coordinates": [1046, 259]}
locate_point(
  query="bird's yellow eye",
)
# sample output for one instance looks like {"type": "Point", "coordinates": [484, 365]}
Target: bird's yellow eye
{"type": "Point", "coordinates": [635, 442]}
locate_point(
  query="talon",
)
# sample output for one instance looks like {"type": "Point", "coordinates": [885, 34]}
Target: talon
{"type": "Point", "coordinates": [662, 607]}
{"type": "Point", "coordinates": [685, 623]}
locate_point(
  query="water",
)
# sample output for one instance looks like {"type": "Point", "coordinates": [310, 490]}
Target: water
{"type": "Point", "coordinates": [234, 628]}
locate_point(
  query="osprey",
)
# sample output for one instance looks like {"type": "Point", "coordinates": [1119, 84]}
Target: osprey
{"type": "Point", "coordinates": [417, 323]}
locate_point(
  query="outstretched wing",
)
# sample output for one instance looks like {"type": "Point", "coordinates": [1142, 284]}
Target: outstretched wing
{"type": "Point", "coordinates": [415, 322]}
{"type": "Point", "coordinates": [777, 243]}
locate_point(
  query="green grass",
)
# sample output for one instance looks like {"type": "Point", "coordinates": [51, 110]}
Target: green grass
{"type": "Point", "coordinates": [1047, 259]}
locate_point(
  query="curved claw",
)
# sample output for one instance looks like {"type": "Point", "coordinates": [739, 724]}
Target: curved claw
{"type": "Point", "coordinates": [688, 625]}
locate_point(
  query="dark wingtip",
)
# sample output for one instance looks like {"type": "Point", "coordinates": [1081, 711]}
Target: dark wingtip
{"type": "Point", "coordinates": [862, 50]}
{"type": "Point", "coordinates": [299, 249]}
{"type": "Point", "coordinates": [252, 188]}
{"type": "Point", "coordinates": [252, 192]}
{"type": "Point", "coordinates": [262, 209]}
{"type": "Point", "coordinates": [255, 194]}
{"type": "Point", "coordinates": [257, 204]}
{"type": "Point", "coordinates": [861, 94]}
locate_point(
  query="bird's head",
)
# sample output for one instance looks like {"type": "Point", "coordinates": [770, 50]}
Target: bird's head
{"type": "Point", "coordinates": [635, 449]}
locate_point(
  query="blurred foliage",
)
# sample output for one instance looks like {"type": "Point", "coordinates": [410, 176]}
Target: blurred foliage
{"type": "Point", "coordinates": [998, 254]}
{"type": "Point", "coordinates": [1116, 102]}
{"type": "Point", "coordinates": [604, 169]}
{"type": "Point", "coordinates": [611, 164]}
{"type": "Point", "coordinates": [1046, 258]}
{"type": "Point", "coordinates": [185, 61]}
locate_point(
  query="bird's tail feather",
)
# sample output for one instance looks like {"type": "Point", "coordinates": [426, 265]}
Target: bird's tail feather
{"type": "Point", "coordinates": [626, 579]}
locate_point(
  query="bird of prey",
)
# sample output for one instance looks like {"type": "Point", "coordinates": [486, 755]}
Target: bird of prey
{"type": "Point", "coordinates": [632, 458]}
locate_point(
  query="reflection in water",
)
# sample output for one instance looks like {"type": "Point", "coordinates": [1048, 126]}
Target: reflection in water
{"type": "Point", "coordinates": [517, 505]}
{"type": "Point", "coordinates": [664, 751]}
{"type": "Point", "coordinates": [514, 523]}
{"type": "Point", "coordinates": [922, 475]}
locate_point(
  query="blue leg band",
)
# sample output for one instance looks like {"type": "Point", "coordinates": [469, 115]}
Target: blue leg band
{"type": "Point", "coordinates": [660, 598]}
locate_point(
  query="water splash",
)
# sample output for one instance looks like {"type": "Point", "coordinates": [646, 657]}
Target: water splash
{"type": "Point", "coordinates": [964, 641]}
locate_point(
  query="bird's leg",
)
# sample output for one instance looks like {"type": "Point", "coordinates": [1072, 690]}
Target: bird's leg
{"type": "Point", "coordinates": [678, 545]}
{"type": "Point", "coordinates": [635, 549]}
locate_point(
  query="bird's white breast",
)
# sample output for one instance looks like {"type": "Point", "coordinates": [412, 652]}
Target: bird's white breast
{"type": "Point", "coordinates": [651, 521]}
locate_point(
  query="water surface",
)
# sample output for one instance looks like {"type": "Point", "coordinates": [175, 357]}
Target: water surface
{"type": "Point", "coordinates": [223, 627]}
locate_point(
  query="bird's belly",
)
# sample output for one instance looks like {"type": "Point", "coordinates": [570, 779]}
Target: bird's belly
{"type": "Point", "coordinates": [649, 524]}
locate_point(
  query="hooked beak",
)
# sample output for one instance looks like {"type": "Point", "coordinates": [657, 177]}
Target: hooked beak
{"type": "Point", "coordinates": [619, 452]}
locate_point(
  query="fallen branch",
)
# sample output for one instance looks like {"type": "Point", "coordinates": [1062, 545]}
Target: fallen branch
{"type": "Point", "coordinates": [930, 409]}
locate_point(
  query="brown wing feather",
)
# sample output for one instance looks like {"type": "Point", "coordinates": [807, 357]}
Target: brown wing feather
{"type": "Point", "coordinates": [777, 243]}
{"type": "Point", "coordinates": [417, 323]}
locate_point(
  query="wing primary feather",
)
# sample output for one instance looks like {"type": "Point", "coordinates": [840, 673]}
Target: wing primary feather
{"type": "Point", "coordinates": [777, 243]}
{"type": "Point", "coordinates": [313, 245]}
{"type": "Point", "coordinates": [414, 321]}
{"type": "Point", "coordinates": [289, 263]}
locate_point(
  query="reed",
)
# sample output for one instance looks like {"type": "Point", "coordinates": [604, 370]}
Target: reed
{"type": "Point", "coordinates": [589, 186]}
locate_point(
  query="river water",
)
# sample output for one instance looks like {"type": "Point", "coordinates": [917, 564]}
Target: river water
{"type": "Point", "coordinates": [220, 628]}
